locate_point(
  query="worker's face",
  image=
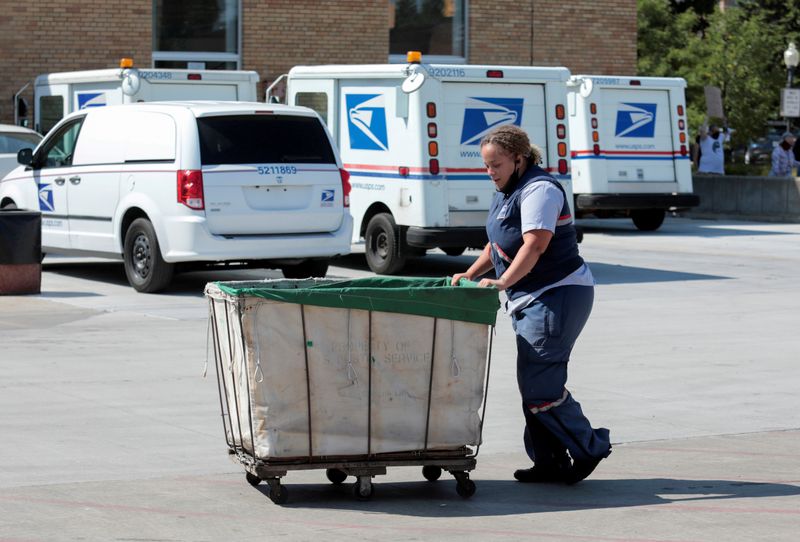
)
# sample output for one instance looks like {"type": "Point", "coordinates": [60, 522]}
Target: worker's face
{"type": "Point", "coordinates": [789, 141]}
{"type": "Point", "coordinates": [500, 164]}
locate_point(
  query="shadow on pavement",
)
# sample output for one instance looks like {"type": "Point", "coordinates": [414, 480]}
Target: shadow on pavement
{"type": "Point", "coordinates": [433, 265]}
{"type": "Point", "coordinates": [621, 227]}
{"type": "Point", "coordinates": [507, 497]}
{"type": "Point", "coordinates": [186, 283]}
{"type": "Point", "coordinates": [624, 274]}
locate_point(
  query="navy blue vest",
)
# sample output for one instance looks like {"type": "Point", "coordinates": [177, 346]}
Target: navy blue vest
{"type": "Point", "coordinates": [504, 229]}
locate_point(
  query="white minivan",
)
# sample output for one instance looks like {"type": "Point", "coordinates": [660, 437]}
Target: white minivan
{"type": "Point", "coordinates": [161, 184]}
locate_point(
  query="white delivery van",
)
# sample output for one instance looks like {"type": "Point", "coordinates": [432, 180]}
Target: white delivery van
{"type": "Point", "coordinates": [630, 153]}
{"type": "Point", "coordinates": [162, 184]}
{"type": "Point", "coordinates": [409, 136]}
{"type": "Point", "coordinates": [58, 94]}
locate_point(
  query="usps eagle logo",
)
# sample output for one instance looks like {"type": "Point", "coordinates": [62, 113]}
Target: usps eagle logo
{"type": "Point", "coordinates": [46, 198]}
{"type": "Point", "coordinates": [366, 122]}
{"type": "Point", "coordinates": [482, 115]}
{"type": "Point", "coordinates": [91, 99]}
{"type": "Point", "coordinates": [636, 120]}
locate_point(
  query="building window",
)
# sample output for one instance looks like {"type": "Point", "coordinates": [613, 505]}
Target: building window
{"type": "Point", "coordinates": [437, 28]}
{"type": "Point", "coordinates": [196, 34]}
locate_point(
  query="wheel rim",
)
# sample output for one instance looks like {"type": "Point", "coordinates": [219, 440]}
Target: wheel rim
{"type": "Point", "coordinates": [380, 245]}
{"type": "Point", "coordinates": [141, 256]}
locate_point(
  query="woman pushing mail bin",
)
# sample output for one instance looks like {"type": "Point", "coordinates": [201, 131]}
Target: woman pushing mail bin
{"type": "Point", "coordinates": [352, 376]}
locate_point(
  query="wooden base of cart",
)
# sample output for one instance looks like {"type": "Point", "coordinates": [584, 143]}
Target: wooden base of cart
{"type": "Point", "coordinates": [457, 462]}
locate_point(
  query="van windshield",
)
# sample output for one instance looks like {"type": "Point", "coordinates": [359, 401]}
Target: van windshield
{"type": "Point", "coordinates": [263, 139]}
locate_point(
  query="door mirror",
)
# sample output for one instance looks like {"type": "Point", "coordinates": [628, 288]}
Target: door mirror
{"type": "Point", "coordinates": [22, 107]}
{"type": "Point", "coordinates": [25, 157]}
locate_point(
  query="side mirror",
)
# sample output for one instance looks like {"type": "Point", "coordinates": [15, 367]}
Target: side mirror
{"type": "Point", "coordinates": [22, 107]}
{"type": "Point", "coordinates": [25, 157]}
{"type": "Point", "coordinates": [413, 82]}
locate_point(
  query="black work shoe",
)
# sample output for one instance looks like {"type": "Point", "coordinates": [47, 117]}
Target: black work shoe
{"type": "Point", "coordinates": [581, 469]}
{"type": "Point", "coordinates": [541, 474]}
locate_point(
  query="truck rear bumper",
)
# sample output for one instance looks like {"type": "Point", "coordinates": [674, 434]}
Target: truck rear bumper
{"type": "Point", "coordinates": [446, 237]}
{"type": "Point", "coordinates": [621, 202]}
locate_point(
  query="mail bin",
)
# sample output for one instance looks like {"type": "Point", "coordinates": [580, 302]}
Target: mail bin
{"type": "Point", "coordinates": [20, 252]}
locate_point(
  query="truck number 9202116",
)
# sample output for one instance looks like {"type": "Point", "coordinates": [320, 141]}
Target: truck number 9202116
{"type": "Point", "coordinates": [277, 170]}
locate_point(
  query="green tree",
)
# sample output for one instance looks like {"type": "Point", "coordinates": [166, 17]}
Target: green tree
{"type": "Point", "coordinates": [737, 50]}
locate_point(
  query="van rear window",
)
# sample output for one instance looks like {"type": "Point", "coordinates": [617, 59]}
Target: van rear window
{"type": "Point", "coordinates": [263, 139]}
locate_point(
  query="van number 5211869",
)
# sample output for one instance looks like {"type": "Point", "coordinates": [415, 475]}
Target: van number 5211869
{"type": "Point", "coordinates": [277, 170]}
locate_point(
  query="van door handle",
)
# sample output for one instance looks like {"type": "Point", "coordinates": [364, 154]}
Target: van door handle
{"type": "Point", "coordinates": [60, 181]}
{"type": "Point", "coordinates": [75, 180]}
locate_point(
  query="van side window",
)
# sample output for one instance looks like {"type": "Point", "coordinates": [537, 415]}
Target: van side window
{"type": "Point", "coordinates": [58, 150]}
{"type": "Point", "coordinates": [51, 110]}
{"type": "Point", "coordinates": [318, 101]}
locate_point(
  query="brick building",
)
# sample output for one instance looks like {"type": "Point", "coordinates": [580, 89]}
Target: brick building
{"type": "Point", "coordinates": [271, 36]}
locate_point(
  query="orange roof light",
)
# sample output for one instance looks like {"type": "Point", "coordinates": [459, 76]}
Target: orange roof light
{"type": "Point", "coordinates": [126, 63]}
{"type": "Point", "coordinates": [414, 57]}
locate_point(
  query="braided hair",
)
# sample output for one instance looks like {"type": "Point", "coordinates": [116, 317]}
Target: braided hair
{"type": "Point", "coordinates": [514, 141]}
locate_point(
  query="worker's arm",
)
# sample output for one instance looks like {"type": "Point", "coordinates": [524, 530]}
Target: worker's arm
{"type": "Point", "coordinates": [480, 266]}
{"type": "Point", "coordinates": [534, 243]}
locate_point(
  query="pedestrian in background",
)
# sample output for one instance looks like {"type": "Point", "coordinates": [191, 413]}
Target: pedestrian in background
{"type": "Point", "coordinates": [783, 160]}
{"type": "Point", "coordinates": [550, 289]}
{"type": "Point", "coordinates": [711, 150]}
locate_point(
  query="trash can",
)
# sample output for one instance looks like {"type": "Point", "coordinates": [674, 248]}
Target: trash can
{"type": "Point", "coordinates": [20, 252]}
{"type": "Point", "coordinates": [354, 374]}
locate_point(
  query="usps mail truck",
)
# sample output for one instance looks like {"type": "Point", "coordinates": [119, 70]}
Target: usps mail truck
{"type": "Point", "coordinates": [630, 149]}
{"type": "Point", "coordinates": [59, 94]}
{"type": "Point", "coordinates": [409, 136]}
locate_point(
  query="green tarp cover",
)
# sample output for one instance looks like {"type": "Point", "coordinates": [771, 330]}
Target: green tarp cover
{"type": "Point", "coordinates": [433, 297]}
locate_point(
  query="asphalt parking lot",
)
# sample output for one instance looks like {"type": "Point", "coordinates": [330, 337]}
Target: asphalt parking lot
{"type": "Point", "coordinates": [110, 431]}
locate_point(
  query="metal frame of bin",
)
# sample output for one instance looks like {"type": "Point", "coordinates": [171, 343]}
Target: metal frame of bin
{"type": "Point", "coordinates": [458, 461]}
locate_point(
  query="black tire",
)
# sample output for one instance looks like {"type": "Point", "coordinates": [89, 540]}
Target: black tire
{"type": "Point", "coordinates": [363, 492]}
{"type": "Point", "coordinates": [9, 206]}
{"type": "Point", "coordinates": [465, 488]}
{"type": "Point", "coordinates": [336, 476]}
{"type": "Point", "coordinates": [278, 494]}
{"type": "Point", "coordinates": [252, 479]}
{"type": "Point", "coordinates": [648, 219]}
{"type": "Point", "coordinates": [431, 472]}
{"type": "Point", "coordinates": [306, 269]}
{"type": "Point", "coordinates": [145, 268]}
{"type": "Point", "coordinates": [454, 251]}
{"type": "Point", "coordinates": [386, 249]}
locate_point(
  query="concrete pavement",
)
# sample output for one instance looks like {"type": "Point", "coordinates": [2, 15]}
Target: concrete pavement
{"type": "Point", "coordinates": [109, 431]}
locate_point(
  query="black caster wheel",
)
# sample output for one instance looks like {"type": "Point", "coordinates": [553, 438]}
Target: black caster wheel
{"type": "Point", "coordinates": [465, 488]}
{"type": "Point", "coordinates": [336, 476]}
{"type": "Point", "coordinates": [363, 490]}
{"type": "Point", "coordinates": [252, 479]}
{"type": "Point", "coordinates": [278, 494]}
{"type": "Point", "coordinates": [431, 472]}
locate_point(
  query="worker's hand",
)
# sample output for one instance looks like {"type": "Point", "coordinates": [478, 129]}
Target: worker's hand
{"type": "Point", "coordinates": [500, 284]}
{"type": "Point", "coordinates": [457, 277]}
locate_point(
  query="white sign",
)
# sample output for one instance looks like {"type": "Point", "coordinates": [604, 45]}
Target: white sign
{"type": "Point", "coordinates": [790, 102]}
{"type": "Point", "coordinates": [714, 109]}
